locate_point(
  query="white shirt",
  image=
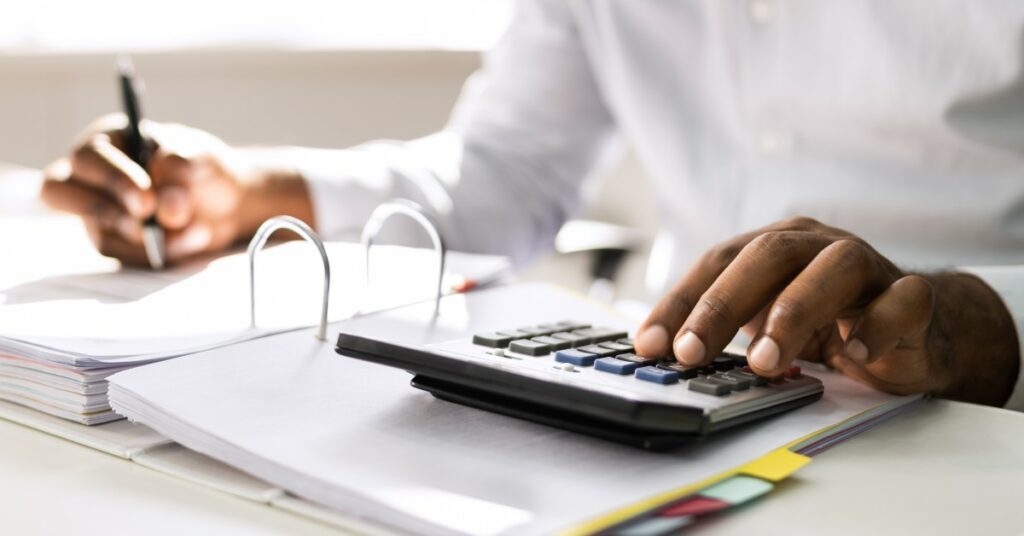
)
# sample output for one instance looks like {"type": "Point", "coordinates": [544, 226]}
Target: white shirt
{"type": "Point", "coordinates": [901, 122]}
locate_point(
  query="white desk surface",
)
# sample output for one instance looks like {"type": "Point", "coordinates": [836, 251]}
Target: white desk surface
{"type": "Point", "coordinates": [945, 468]}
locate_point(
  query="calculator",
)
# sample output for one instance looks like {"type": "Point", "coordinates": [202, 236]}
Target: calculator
{"type": "Point", "coordinates": [589, 379]}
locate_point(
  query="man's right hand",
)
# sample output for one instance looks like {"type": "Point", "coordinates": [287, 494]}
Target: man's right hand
{"type": "Point", "coordinates": [202, 192]}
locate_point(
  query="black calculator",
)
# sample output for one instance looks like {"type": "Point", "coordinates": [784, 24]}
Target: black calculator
{"type": "Point", "coordinates": [589, 379]}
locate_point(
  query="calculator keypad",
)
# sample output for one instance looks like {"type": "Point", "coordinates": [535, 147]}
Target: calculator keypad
{"type": "Point", "coordinates": [604, 358]}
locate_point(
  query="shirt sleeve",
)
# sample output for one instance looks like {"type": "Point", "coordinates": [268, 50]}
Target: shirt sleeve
{"type": "Point", "coordinates": [1008, 282]}
{"type": "Point", "coordinates": [508, 169]}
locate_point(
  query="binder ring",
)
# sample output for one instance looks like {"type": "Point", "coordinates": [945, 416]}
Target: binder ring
{"type": "Point", "coordinates": [414, 211]}
{"type": "Point", "coordinates": [305, 231]}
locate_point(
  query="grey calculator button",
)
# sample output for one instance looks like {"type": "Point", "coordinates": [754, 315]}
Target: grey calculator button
{"type": "Point", "coordinates": [633, 358]}
{"type": "Point", "coordinates": [555, 344]}
{"type": "Point", "coordinates": [492, 340]}
{"type": "Point", "coordinates": [627, 341]}
{"type": "Point", "coordinates": [573, 339]}
{"type": "Point", "coordinates": [738, 383]}
{"type": "Point", "coordinates": [723, 363]}
{"type": "Point", "coordinates": [685, 372]}
{"type": "Point", "coordinates": [601, 351]}
{"type": "Point", "coordinates": [571, 325]}
{"type": "Point", "coordinates": [515, 334]}
{"type": "Point", "coordinates": [617, 347]}
{"type": "Point", "coordinates": [756, 380]}
{"type": "Point", "coordinates": [711, 387]}
{"type": "Point", "coordinates": [599, 335]}
{"type": "Point", "coordinates": [529, 347]}
{"type": "Point", "coordinates": [534, 331]}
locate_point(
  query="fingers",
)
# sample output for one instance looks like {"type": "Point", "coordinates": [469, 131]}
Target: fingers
{"type": "Point", "coordinates": [98, 164]}
{"type": "Point", "coordinates": [842, 276]}
{"type": "Point", "coordinates": [94, 207]}
{"type": "Point", "coordinates": [742, 290]}
{"type": "Point", "coordinates": [655, 335]}
{"type": "Point", "coordinates": [899, 317]}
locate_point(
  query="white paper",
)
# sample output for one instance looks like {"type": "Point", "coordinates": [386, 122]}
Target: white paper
{"type": "Point", "coordinates": [356, 437]}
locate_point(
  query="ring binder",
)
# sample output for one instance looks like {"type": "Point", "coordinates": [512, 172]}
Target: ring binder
{"type": "Point", "coordinates": [414, 211]}
{"type": "Point", "coordinates": [306, 232]}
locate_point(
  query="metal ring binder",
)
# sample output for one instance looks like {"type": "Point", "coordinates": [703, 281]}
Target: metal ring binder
{"type": "Point", "coordinates": [305, 231]}
{"type": "Point", "coordinates": [411, 209]}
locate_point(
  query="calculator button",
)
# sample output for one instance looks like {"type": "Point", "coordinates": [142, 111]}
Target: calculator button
{"type": "Point", "coordinates": [723, 363]}
{"type": "Point", "coordinates": [529, 347]}
{"type": "Point", "coordinates": [534, 331]}
{"type": "Point", "coordinates": [711, 387]}
{"type": "Point", "coordinates": [627, 341]}
{"type": "Point", "coordinates": [570, 325]}
{"type": "Point", "coordinates": [735, 382]}
{"type": "Point", "coordinates": [684, 372]}
{"type": "Point", "coordinates": [641, 360]}
{"type": "Point", "coordinates": [555, 344]}
{"type": "Point", "coordinates": [707, 370]}
{"type": "Point", "coordinates": [492, 340]}
{"type": "Point", "coordinates": [575, 357]}
{"type": "Point", "coordinates": [756, 380]}
{"type": "Point", "coordinates": [621, 348]}
{"type": "Point", "coordinates": [573, 339]}
{"type": "Point", "coordinates": [657, 375]}
{"type": "Point", "coordinates": [601, 351]}
{"type": "Point", "coordinates": [599, 335]}
{"type": "Point", "coordinates": [515, 334]}
{"type": "Point", "coordinates": [615, 366]}
{"type": "Point", "coordinates": [737, 359]}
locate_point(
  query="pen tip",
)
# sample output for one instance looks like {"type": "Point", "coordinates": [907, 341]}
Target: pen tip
{"type": "Point", "coordinates": [124, 65]}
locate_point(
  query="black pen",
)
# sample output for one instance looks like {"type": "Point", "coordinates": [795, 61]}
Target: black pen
{"type": "Point", "coordinates": [137, 149]}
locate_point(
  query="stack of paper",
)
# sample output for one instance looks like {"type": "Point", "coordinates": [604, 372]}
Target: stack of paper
{"type": "Point", "coordinates": [355, 437]}
{"type": "Point", "coordinates": [61, 337]}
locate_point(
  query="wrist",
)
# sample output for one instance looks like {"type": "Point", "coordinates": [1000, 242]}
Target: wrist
{"type": "Point", "coordinates": [269, 187]}
{"type": "Point", "coordinates": [973, 337]}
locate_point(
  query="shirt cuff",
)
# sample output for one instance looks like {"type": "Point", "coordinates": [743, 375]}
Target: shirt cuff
{"type": "Point", "coordinates": [1008, 282]}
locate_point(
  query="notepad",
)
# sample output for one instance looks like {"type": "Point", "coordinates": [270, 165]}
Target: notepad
{"type": "Point", "coordinates": [61, 337]}
{"type": "Point", "coordinates": [355, 437]}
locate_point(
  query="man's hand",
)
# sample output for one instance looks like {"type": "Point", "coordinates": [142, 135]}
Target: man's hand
{"type": "Point", "coordinates": [203, 193]}
{"type": "Point", "coordinates": [808, 291]}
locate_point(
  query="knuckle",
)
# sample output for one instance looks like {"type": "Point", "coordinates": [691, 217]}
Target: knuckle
{"type": "Point", "coordinates": [787, 312]}
{"type": "Point", "coordinates": [722, 254]}
{"type": "Point", "coordinates": [851, 254]}
{"type": "Point", "coordinates": [919, 289]}
{"type": "Point", "coordinates": [775, 244]}
{"type": "Point", "coordinates": [801, 222]}
{"type": "Point", "coordinates": [714, 309]}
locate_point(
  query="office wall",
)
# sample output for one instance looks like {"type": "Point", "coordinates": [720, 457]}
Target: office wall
{"type": "Point", "coordinates": [315, 98]}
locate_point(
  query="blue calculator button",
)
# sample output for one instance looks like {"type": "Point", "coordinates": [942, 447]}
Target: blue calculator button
{"type": "Point", "coordinates": [657, 375]}
{"type": "Point", "coordinates": [576, 357]}
{"type": "Point", "coordinates": [616, 366]}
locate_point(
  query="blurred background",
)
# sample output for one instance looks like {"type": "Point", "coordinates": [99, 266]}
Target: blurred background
{"type": "Point", "coordinates": [303, 72]}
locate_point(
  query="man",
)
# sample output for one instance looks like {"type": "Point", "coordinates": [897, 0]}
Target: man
{"type": "Point", "coordinates": [898, 122]}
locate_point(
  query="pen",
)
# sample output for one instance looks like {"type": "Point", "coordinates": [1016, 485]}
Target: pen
{"type": "Point", "coordinates": [137, 149]}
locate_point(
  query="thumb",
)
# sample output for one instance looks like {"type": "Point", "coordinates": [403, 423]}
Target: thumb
{"type": "Point", "coordinates": [900, 316]}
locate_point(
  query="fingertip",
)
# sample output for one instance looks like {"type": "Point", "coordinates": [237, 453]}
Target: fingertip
{"type": "Point", "coordinates": [689, 349]}
{"type": "Point", "coordinates": [765, 355]}
{"type": "Point", "coordinates": [653, 341]}
{"type": "Point", "coordinates": [856, 350]}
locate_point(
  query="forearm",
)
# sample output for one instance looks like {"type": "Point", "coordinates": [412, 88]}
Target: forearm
{"type": "Point", "coordinates": [974, 334]}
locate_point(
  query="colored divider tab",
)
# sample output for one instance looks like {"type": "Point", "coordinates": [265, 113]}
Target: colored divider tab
{"type": "Point", "coordinates": [694, 506]}
{"type": "Point", "coordinates": [776, 465]}
{"type": "Point", "coordinates": [655, 526]}
{"type": "Point", "coordinates": [738, 489]}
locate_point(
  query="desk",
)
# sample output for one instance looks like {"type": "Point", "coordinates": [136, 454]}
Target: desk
{"type": "Point", "coordinates": [944, 468]}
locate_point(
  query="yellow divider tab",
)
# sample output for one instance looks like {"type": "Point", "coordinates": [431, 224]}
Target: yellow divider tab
{"type": "Point", "coordinates": [776, 465]}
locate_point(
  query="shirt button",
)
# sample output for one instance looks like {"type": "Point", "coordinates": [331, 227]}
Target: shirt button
{"type": "Point", "coordinates": [773, 142]}
{"type": "Point", "coordinates": [762, 11]}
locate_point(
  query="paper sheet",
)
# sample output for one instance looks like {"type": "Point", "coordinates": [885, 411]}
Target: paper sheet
{"type": "Point", "coordinates": [354, 436]}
